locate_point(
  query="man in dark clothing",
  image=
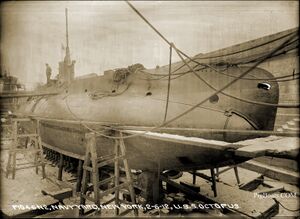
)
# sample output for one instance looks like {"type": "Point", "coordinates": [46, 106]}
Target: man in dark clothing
{"type": "Point", "coordinates": [48, 73]}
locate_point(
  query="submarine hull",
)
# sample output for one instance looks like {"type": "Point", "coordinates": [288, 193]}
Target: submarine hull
{"type": "Point", "coordinates": [139, 101]}
{"type": "Point", "coordinates": [143, 152]}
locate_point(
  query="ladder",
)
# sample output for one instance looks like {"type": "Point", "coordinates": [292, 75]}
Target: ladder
{"type": "Point", "coordinates": [92, 163]}
{"type": "Point", "coordinates": [17, 148]}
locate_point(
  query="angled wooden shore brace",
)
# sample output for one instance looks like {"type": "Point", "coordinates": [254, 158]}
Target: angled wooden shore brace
{"type": "Point", "coordinates": [16, 148]}
{"type": "Point", "coordinates": [92, 162]}
{"type": "Point", "coordinates": [236, 173]}
{"type": "Point", "coordinates": [214, 176]}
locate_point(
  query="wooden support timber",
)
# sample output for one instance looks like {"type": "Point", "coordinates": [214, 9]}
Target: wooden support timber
{"type": "Point", "coordinates": [60, 167]}
{"type": "Point", "coordinates": [236, 172]}
{"type": "Point", "coordinates": [285, 147]}
{"type": "Point", "coordinates": [246, 204]}
{"type": "Point", "coordinates": [92, 162]}
{"type": "Point", "coordinates": [283, 175]}
{"type": "Point", "coordinates": [252, 184]}
{"type": "Point", "coordinates": [79, 175]}
{"type": "Point", "coordinates": [16, 148]}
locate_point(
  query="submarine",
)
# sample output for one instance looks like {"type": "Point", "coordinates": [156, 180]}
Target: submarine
{"type": "Point", "coordinates": [134, 100]}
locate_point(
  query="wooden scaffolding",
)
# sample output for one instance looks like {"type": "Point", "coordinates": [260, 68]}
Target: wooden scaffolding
{"type": "Point", "coordinates": [17, 148]}
{"type": "Point", "coordinates": [92, 163]}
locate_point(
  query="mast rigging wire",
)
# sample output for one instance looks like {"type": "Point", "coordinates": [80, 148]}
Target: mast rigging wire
{"type": "Point", "coordinates": [254, 47]}
{"type": "Point", "coordinates": [234, 97]}
{"type": "Point", "coordinates": [195, 106]}
{"type": "Point", "coordinates": [228, 95]}
{"type": "Point", "coordinates": [169, 83]}
{"type": "Point", "coordinates": [190, 109]}
{"type": "Point", "coordinates": [221, 72]}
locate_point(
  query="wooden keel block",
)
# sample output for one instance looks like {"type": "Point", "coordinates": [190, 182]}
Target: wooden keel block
{"type": "Point", "coordinates": [60, 194]}
{"type": "Point", "coordinates": [252, 184]}
{"type": "Point", "coordinates": [272, 190]}
{"type": "Point", "coordinates": [191, 186]}
{"type": "Point", "coordinates": [272, 172]}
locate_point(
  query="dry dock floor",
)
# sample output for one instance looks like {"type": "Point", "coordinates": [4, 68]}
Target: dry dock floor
{"type": "Point", "coordinates": [26, 189]}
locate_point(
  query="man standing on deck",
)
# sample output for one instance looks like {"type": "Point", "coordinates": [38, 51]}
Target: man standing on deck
{"type": "Point", "coordinates": [48, 73]}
